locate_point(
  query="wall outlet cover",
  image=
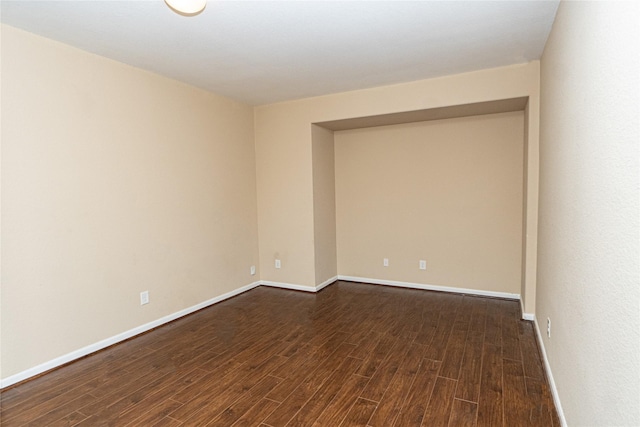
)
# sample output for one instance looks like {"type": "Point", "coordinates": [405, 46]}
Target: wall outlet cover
{"type": "Point", "coordinates": [548, 327]}
{"type": "Point", "coordinates": [144, 297]}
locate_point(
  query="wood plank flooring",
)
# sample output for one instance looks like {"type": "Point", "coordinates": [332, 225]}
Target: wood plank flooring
{"type": "Point", "coordinates": [350, 355]}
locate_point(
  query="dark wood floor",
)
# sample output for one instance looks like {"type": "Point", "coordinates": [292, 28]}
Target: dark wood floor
{"type": "Point", "coordinates": [353, 354]}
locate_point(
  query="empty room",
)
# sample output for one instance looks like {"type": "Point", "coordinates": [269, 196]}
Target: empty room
{"type": "Point", "coordinates": [319, 213]}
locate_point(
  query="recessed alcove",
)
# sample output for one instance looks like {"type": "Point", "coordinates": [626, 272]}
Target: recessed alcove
{"type": "Point", "coordinates": [440, 113]}
{"type": "Point", "coordinates": [390, 226]}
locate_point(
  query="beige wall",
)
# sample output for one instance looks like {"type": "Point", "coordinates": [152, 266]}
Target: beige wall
{"type": "Point", "coordinates": [1, 372]}
{"type": "Point", "coordinates": [285, 160]}
{"type": "Point", "coordinates": [525, 164]}
{"type": "Point", "coordinates": [589, 243]}
{"type": "Point", "coordinates": [324, 204]}
{"type": "Point", "coordinates": [285, 198]}
{"type": "Point", "coordinates": [114, 181]}
{"type": "Point", "coordinates": [530, 212]}
{"type": "Point", "coordinates": [446, 191]}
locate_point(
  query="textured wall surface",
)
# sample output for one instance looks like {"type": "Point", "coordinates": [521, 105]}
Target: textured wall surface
{"type": "Point", "coordinates": [589, 240]}
{"type": "Point", "coordinates": [324, 204]}
{"type": "Point", "coordinates": [445, 191]}
{"type": "Point", "coordinates": [285, 163]}
{"type": "Point", "coordinates": [114, 181]}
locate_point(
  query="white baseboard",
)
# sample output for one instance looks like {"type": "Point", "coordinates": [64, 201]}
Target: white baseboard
{"type": "Point", "coordinates": [526, 316]}
{"type": "Point", "coordinates": [291, 286]}
{"type": "Point", "coordinates": [430, 287]}
{"type": "Point", "coordinates": [92, 348]}
{"type": "Point", "coordinates": [552, 383]}
{"type": "Point", "coordinates": [326, 283]}
{"type": "Point", "coordinates": [296, 287]}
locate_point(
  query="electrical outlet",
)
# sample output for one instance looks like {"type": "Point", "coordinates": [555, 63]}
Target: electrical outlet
{"type": "Point", "coordinates": [144, 297]}
{"type": "Point", "coordinates": [278, 264]}
{"type": "Point", "coordinates": [423, 264]}
{"type": "Point", "coordinates": [253, 270]}
{"type": "Point", "coordinates": [385, 262]}
{"type": "Point", "coordinates": [548, 328]}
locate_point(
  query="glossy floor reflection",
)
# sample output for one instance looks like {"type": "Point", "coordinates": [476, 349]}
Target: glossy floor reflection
{"type": "Point", "coordinates": [352, 354]}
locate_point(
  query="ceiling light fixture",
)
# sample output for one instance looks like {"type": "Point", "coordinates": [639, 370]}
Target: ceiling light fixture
{"type": "Point", "coordinates": [187, 7]}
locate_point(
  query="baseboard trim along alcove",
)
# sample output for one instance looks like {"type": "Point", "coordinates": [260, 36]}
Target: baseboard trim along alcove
{"type": "Point", "coordinates": [100, 345]}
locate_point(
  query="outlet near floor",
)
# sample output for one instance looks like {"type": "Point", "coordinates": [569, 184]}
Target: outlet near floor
{"type": "Point", "coordinates": [144, 297]}
{"type": "Point", "coordinates": [548, 328]}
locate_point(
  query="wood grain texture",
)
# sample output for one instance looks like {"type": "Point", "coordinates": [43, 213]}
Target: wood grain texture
{"type": "Point", "coordinates": [439, 407]}
{"type": "Point", "coordinates": [359, 413]}
{"type": "Point", "coordinates": [352, 354]}
{"type": "Point", "coordinates": [463, 414]}
{"type": "Point", "coordinates": [491, 404]}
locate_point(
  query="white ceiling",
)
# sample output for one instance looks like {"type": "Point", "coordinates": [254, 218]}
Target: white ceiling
{"type": "Point", "coordinates": [267, 51]}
